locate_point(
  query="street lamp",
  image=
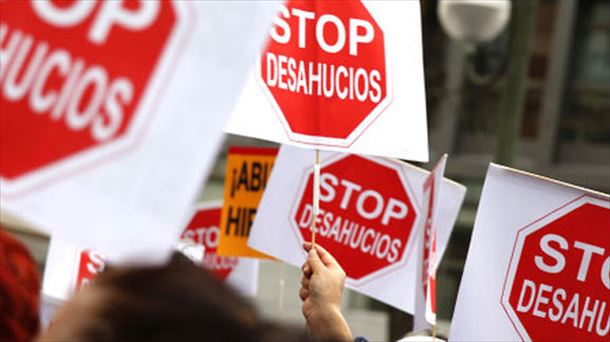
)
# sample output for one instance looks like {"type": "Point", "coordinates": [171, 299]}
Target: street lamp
{"type": "Point", "coordinates": [474, 21]}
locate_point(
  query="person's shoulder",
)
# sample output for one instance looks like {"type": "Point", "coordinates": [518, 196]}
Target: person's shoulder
{"type": "Point", "coordinates": [420, 338]}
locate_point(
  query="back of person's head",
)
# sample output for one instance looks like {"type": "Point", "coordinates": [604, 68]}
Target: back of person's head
{"type": "Point", "coordinates": [19, 291]}
{"type": "Point", "coordinates": [424, 336]}
{"type": "Point", "coordinates": [179, 301]}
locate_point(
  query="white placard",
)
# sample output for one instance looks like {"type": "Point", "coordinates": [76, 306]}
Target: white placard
{"type": "Point", "coordinates": [65, 268]}
{"type": "Point", "coordinates": [68, 268]}
{"type": "Point", "coordinates": [61, 269]}
{"type": "Point", "coordinates": [538, 262]}
{"type": "Point", "coordinates": [275, 230]}
{"type": "Point", "coordinates": [130, 199]}
{"type": "Point", "coordinates": [393, 125]}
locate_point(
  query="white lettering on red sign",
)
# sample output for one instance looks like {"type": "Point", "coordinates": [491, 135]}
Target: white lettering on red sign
{"type": "Point", "coordinates": [391, 207]}
{"type": "Point", "coordinates": [112, 13]}
{"type": "Point", "coordinates": [203, 229]}
{"type": "Point", "coordinates": [72, 74]}
{"type": "Point", "coordinates": [87, 92]}
{"type": "Point", "coordinates": [365, 216]}
{"type": "Point", "coordinates": [325, 59]}
{"type": "Point", "coordinates": [330, 80]}
{"type": "Point", "coordinates": [559, 278]}
{"type": "Point", "coordinates": [90, 264]}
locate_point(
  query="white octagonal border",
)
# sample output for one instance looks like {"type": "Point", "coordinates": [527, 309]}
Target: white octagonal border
{"type": "Point", "coordinates": [410, 193]}
{"type": "Point", "coordinates": [326, 141]}
{"type": "Point", "coordinates": [96, 155]}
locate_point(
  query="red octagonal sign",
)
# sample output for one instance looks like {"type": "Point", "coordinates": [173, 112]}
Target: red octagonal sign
{"type": "Point", "coordinates": [324, 71]}
{"type": "Point", "coordinates": [76, 79]}
{"type": "Point", "coordinates": [203, 230]}
{"type": "Point", "coordinates": [367, 214]}
{"type": "Point", "coordinates": [558, 283]}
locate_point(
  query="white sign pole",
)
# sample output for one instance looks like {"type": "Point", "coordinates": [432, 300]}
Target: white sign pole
{"type": "Point", "coordinates": [316, 196]}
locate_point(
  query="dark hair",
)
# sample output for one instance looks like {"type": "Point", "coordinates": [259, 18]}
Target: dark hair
{"type": "Point", "coordinates": [179, 301]}
{"type": "Point", "coordinates": [19, 291]}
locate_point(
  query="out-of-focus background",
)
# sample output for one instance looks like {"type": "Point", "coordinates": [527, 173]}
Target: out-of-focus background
{"type": "Point", "coordinates": [544, 109]}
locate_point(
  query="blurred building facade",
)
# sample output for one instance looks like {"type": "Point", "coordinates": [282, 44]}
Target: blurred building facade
{"type": "Point", "coordinates": [564, 134]}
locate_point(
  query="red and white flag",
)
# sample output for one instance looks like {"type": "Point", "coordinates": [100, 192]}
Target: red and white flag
{"type": "Point", "coordinates": [425, 287]}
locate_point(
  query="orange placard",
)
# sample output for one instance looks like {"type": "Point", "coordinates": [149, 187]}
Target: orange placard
{"type": "Point", "coordinates": [248, 169]}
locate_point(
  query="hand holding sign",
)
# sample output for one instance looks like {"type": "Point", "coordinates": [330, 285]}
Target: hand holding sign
{"type": "Point", "coordinates": [321, 292]}
{"type": "Point", "coordinates": [368, 213]}
{"type": "Point", "coordinates": [359, 214]}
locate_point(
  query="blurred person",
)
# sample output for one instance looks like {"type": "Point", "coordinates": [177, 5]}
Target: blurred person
{"type": "Point", "coordinates": [178, 301]}
{"type": "Point", "coordinates": [321, 291]}
{"type": "Point", "coordinates": [423, 336]}
{"type": "Point", "coordinates": [19, 291]}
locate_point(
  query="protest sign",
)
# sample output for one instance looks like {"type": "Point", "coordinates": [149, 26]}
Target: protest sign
{"type": "Point", "coordinates": [369, 209]}
{"type": "Point", "coordinates": [90, 264]}
{"type": "Point", "coordinates": [112, 113]}
{"type": "Point", "coordinates": [68, 268]}
{"type": "Point", "coordinates": [538, 265]}
{"type": "Point", "coordinates": [203, 229]}
{"type": "Point", "coordinates": [248, 170]}
{"type": "Point", "coordinates": [425, 285]}
{"type": "Point", "coordinates": [329, 79]}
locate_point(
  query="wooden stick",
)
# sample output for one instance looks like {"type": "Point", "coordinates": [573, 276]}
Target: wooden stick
{"type": "Point", "coordinates": [316, 196]}
{"type": "Point", "coordinates": [434, 332]}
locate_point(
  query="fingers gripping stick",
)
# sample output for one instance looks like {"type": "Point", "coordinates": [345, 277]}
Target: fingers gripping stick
{"type": "Point", "coordinates": [318, 255]}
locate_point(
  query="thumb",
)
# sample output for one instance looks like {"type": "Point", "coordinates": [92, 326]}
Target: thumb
{"type": "Point", "coordinates": [314, 261]}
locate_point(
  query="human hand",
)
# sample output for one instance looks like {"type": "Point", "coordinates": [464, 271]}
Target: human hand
{"type": "Point", "coordinates": [321, 292]}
